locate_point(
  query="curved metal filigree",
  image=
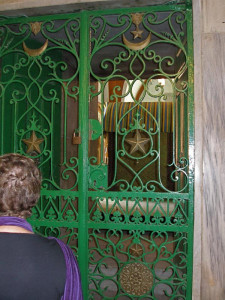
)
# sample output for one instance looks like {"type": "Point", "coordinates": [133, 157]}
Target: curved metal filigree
{"type": "Point", "coordinates": [145, 65]}
{"type": "Point", "coordinates": [163, 260]}
{"type": "Point", "coordinates": [102, 101]}
{"type": "Point", "coordinates": [140, 210]}
{"type": "Point", "coordinates": [39, 83]}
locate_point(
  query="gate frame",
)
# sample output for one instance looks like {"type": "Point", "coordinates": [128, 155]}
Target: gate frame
{"type": "Point", "coordinates": [198, 134]}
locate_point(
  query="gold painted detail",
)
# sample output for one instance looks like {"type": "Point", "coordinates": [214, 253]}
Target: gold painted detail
{"type": "Point", "coordinates": [35, 52]}
{"type": "Point", "coordinates": [136, 279]}
{"type": "Point", "coordinates": [136, 250]}
{"type": "Point", "coordinates": [33, 143]}
{"type": "Point", "coordinates": [137, 33]}
{"type": "Point", "coordinates": [137, 143]}
{"type": "Point", "coordinates": [137, 46]}
{"type": "Point", "coordinates": [137, 20]}
{"type": "Point", "coordinates": [36, 27]}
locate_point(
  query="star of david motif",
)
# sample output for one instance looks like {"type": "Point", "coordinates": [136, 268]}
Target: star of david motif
{"type": "Point", "coordinates": [137, 143]}
{"type": "Point", "coordinates": [33, 143]}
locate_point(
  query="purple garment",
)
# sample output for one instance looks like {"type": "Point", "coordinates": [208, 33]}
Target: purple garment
{"type": "Point", "coordinates": [72, 289]}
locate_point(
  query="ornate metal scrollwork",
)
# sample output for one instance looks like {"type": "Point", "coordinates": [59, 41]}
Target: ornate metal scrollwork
{"type": "Point", "coordinates": [35, 28]}
{"type": "Point", "coordinates": [137, 33]}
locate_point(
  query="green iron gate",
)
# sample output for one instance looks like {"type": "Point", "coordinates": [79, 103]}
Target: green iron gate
{"type": "Point", "coordinates": [103, 102]}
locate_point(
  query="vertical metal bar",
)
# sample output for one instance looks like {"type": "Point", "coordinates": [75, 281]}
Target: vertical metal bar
{"type": "Point", "coordinates": [65, 128]}
{"type": "Point", "coordinates": [15, 143]}
{"type": "Point", "coordinates": [191, 148]}
{"type": "Point", "coordinates": [186, 129]}
{"type": "Point", "coordinates": [2, 125]}
{"type": "Point", "coordinates": [178, 134]}
{"type": "Point", "coordinates": [83, 153]}
{"type": "Point", "coordinates": [189, 2]}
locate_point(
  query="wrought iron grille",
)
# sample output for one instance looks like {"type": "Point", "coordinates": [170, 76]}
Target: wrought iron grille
{"type": "Point", "coordinates": [103, 102]}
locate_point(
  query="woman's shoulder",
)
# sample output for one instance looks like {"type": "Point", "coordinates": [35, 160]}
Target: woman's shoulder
{"type": "Point", "coordinates": [32, 243]}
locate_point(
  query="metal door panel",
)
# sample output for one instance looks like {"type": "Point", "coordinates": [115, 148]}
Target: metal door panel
{"type": "Point", "coordinates": [81, 94]}
{"type": "Point", "coordinates": [140, 184]}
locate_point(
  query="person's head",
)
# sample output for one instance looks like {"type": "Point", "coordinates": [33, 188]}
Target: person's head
{"type": "Point", "coordinates": [20, 184]}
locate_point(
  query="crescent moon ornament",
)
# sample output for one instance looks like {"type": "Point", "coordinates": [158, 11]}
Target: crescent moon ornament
{"type": "Point", "coordinates": [137, 46]}
{"type": "Point", "coordinates": [35, 52]}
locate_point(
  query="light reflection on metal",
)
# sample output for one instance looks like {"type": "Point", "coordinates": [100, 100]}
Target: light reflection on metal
{"type": "Point", "coordinates": [136, 279]}
{"type": "Point", "coordinates": [137, 143]}
{"type": "Point", "coordinates": [33, 143]}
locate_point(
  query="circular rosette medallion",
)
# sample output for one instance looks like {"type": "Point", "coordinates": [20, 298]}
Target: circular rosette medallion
{"type": "Point", "coordinates": [136, 279]}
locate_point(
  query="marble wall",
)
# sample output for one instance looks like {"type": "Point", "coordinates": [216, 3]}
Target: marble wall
{"type": "Point", "coordinates": [213, 151]}
{"type": "Point", "coordinates": [30, 7]}
{"type": "Point", "coordinates": [213, 230]}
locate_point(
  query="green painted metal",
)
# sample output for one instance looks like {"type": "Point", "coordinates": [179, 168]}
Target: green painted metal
{"type": "Point", "coordinates": [190, 142]}
{"type": "Point", "coordinates": [126, 209]}
{"type": "Point", "coordinates": [83, 153]}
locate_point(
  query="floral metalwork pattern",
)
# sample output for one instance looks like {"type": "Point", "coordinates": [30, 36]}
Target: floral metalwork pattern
{"type": "Point", "coordinates": [116, 272]}
{"type": "Point", "coordinates": [140, 210]}
{"type": "Point", "coordinates": [144, 65]}
{"type": "Point", "coordinates": [102, 101]}
{"type": "Point", "coordinates": [136, 279]}
{"type": "Point", "coordinates": [38, 84]}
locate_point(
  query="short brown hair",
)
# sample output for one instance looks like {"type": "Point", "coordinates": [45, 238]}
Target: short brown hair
{"type": "Point", "coordinates": [20, 184]}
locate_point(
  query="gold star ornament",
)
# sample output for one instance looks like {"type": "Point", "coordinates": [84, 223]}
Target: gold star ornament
{"type": "Point", "coordinates": [137, 143]}
{"type": "Point", "coordinates": [136, 250]}
{"type": "Point", "coordinates": [137, 33]}
{"type": "Point", "coordinates": [33, 143]}
{"type": "Point", "coordinates": [137, 20]}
